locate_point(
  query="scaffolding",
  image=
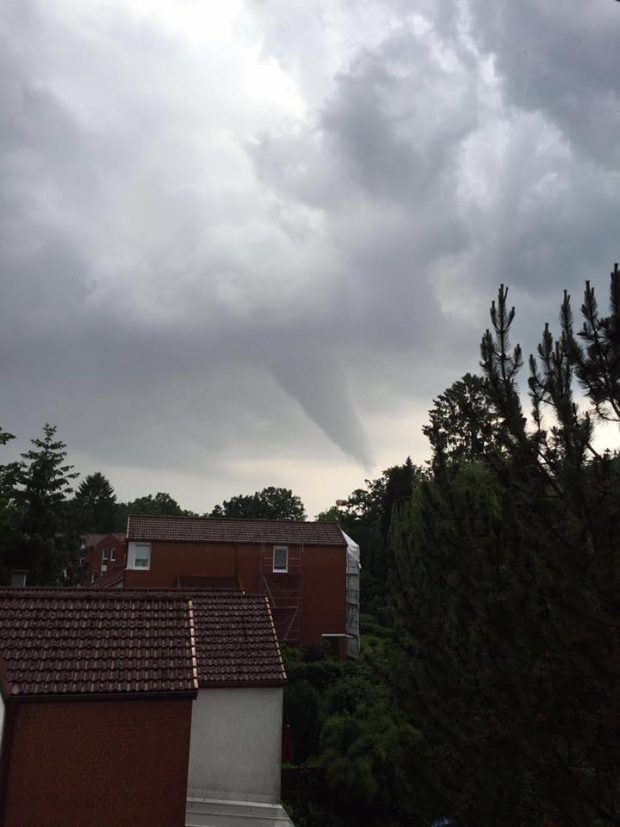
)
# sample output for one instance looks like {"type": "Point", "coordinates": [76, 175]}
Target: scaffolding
{"type": "Point", "coordinates": [353, 597]}
{"type": "Point", "coordinates": [285, 592]}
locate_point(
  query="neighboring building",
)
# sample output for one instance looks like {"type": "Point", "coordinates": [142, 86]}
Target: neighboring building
{"type": "Point", "coordinates": [300, 566]}
{"type": "Point", "coordinates": [236, 745]}
{"type": "Point", "coordinates": [103, 553]}
{"type": "Point", "coordinates": [96, 698]}
{"type": "Point", "coordinates": [139, 707]}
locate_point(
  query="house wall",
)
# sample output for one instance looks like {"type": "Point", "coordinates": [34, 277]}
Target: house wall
{"type": "Point", "coordinates": [169, 561]}
{"type": "Point", "coordinates": [322, 598]}
{"type": "Point", "coordinates": [1, 718]}
{"type": "Point", "coordinates": [94, 557]}
{"type": "Point", "coordinates": [324, 592]}
{"type": "Point", "coordinates": [99, 763]}
{"type": "Point", "coordinates": [236, 744]}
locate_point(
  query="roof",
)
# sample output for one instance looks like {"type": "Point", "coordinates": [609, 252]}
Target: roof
{"type": "Point", "coordinates": [82, 641]}
{"type": "Point", "coordinates": [113, 579]}
{"type": "Point", "coordinates": [74, 641]}
{"type": "Point", "coordinates": [91, 540]}
{"type": "Point", "coordinates": [235, 639]}
{"type": "Point", "coordinates": [209, 530]}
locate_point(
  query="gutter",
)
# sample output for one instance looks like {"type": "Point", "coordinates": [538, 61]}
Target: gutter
{"type": "Point", "coordinates": [182, 694]}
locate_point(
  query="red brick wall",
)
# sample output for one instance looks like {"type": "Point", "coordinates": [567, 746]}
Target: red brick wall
{"type": "Point", "coordinates": [99, 763]}
{"type": "Point", "coordinates": [94, 556]}
{"type": "Point", "coordinates": [169, 561]}
{"type": "Point", "coordinates": [324, 592]}
{"type": "Point", "coordinates": [323, 605]}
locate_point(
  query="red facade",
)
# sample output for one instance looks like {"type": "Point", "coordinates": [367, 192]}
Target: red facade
{"type": "Point", "coordinates": [307, 594]}
{"type": "Point", "coordinates": [307, 601]}
{"type": "Point", "coordinates": [98, 762]}
{"type": "Point", "coordinates": [103, 553]}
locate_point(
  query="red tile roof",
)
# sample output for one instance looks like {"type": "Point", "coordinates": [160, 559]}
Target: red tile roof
{"type": "Point", "coordinates": [72, 641]}
{"type": "Point", "coordinates": [235, 639]}
{"type": "Point", "coordinates": [111, 579]}
{"type": "Point", "coordinates": [68, 641]}
{"type": "Point", "coordinates": [207, 530]}
{"type": "Point", "coordinates": [91, 540]}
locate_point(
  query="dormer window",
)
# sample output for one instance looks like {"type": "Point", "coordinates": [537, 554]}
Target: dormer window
{"type": "Point", "coordinates": [280, 558]}
{"type": "Point", "coordinates": [139, 556]}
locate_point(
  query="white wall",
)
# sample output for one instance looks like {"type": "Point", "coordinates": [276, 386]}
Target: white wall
{"type": "Point", "coordinates": [236, 744]}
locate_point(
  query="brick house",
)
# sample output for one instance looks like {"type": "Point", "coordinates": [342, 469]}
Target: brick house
{"type": "Point", "coordinates": [139, 707]}
{"type": "Point", "coordinates": [236, 741]}
{"type": "Point", "coordinates": [103, 553]}
{"type": "Point", "coordinates": [96, 696]}
{"type": "Point", "coordinates": [306, 569]}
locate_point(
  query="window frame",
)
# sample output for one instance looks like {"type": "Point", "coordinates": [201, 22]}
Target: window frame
{"type": "Point", "coordinates": [279, 570]}
{"type": "Point", "coordinates": [132, 555]}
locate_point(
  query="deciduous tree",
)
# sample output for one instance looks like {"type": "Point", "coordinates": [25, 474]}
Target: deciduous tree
{"type": "Point", "coordinates": [269, 504]}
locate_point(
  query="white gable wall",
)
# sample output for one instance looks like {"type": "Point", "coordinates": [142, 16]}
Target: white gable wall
{"type": "Point", "coordinates": [236, 744]}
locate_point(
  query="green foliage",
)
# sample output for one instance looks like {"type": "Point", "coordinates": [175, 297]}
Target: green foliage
{"type": "Point", "coordinates": [40, 485]}
{"type": "Point", "coordinates": [366, 516]}
{"type": "Point", "coordinates": [359, 739]}
{"type": "Point", "coordinates": [463, 427]}
{"type": "Point", "coordinates": [94, 505]}
{"type": "Point", "coordinates": [160, 505]}
{"type": "Point", "coordinates": [8, 520]}
{"type": "Point", "coordinates": [269, 504]}
{"type": "Point", "coordinates": [508, 570]}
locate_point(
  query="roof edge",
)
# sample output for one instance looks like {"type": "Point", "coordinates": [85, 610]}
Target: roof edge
{"type": "Point", "coordinates": [247, 684]}
{"type": "Point", "coordinates": [74, 697]}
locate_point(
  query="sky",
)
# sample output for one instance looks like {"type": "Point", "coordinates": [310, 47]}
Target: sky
{"type": "Point", "coordinates": [246, 244]}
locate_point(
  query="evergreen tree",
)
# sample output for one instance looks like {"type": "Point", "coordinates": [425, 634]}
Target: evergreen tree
{"type": "Point", "coordinates": [508, 593]}
{"type": "Point", "coordinates": [366, 516]}
{"type": "Point", "coordinates": [7, 512]}
{"type": "Point", "coordinates": [49, 545]}
{"type": "Point", "coordinates": [95, 504]}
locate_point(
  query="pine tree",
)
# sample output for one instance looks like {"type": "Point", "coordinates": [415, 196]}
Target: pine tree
{"type": "Point", "coordinates": [508, 583]}
{"type": "Point", "coordinates": [49, 547]}
{"type": "Point", "coordinates": [94, 504]}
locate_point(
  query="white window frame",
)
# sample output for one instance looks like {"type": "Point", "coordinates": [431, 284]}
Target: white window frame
{"type": "Point", "coordinates": [279, 569]}
{"type": "Point", "coordinates": [112, 555]}
{"type": "Point", "coordinates": [132, 554]}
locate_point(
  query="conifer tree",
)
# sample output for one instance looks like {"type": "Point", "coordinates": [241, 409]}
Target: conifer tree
{"type": "Point", "coordinates": [49, 546]}
{"type": "Point", "coordinates": [94, 504]}
{"type": "Point", "coordinates": [508, 576]}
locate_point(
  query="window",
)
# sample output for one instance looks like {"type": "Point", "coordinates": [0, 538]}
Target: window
{"type": "Point", "coordinates": [112, 555]}
{"type": "Point", "coordinates": [280, 558]}
{"type": "Point", "coordinates": [139, 556]}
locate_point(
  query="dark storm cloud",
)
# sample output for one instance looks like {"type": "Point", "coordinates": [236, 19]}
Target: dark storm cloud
{"type": "Point", "coordinates": [562, 61]}
{"type": "Point", "coordinates": [226, 235]}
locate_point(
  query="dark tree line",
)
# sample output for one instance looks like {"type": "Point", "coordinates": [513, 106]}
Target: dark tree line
{"type": "Point", "coordinates": [42, 517]}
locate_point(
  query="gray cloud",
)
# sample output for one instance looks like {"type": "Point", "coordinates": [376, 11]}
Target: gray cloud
{"type": "Point", "coordinates": [236, 243]}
